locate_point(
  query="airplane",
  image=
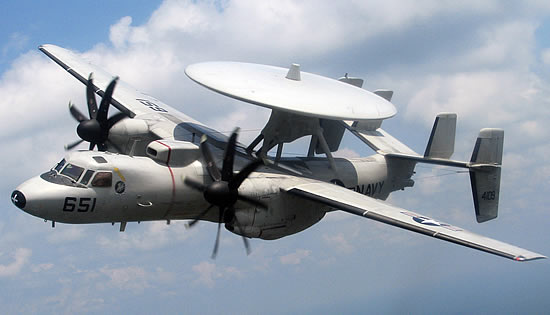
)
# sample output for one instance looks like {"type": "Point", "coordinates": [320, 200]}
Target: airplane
{"type": "Point", "coordinates": [155, 163]}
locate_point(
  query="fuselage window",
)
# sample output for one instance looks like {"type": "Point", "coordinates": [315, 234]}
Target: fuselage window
{"type": "Point", "coordinates": [99, 159]}
{"type": "Point", "coordinates": [103, 179]}
{"type": "Point", "coordinates": [59, 165]}
{"type": "Point", "coordinates": [86, 178]}
{"type": "Point", "coordinates": [72, 171]}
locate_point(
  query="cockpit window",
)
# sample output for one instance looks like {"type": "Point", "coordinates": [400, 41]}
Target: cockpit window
{"type": "Point", "coordinates": [86, 178]}
{"type": "Point", "coordinates": [72, 171]}
{"type": "Point", "coordinates": [103, 179]}
{"type": "Point", "coordinates": [59, 165]}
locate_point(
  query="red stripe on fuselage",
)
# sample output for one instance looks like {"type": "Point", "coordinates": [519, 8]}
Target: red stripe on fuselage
{"type": "Point", "coordinates": [172, 176]}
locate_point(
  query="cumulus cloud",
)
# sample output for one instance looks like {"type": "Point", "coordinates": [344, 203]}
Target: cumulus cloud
{"type": "Point", "coordinates": [66, 233]}
{"type": "Point", "coordinates": [156, 235]}
{"type": "Point", "coordinates": [295, 258]}
{"type": "Point", "coordinates": [339, 242]}
{"type": "Point", "coordinates": [546, 56]}
{"type": "Point", "coordinates": [346, 153]}
{"type": "Point", "coordinates": [128, 278]}
{"type": "Point", "coordinates": [41, 267]}
{"type": "Point", "coordinates": [20, 258]}
{"type": "Point", "coordinates": [209, 272]}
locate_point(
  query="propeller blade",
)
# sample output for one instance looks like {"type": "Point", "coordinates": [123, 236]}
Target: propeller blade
{"type": "Point", "coordinates": [244, 173]}
{"type": "Point", "coordinates": [114, 119]}
{"type": "Point", "coordinates": [200, 216]}
{"type": "Point", "coordinates": [72, 145]}
{"type": "Point", "coordinates": [90, 97]}
{"type": "Point", "coordinates": [245, 240]}
{"type": "Point", "coordinates": [252, 201]}
{"type": "Point", "coordinates": [194, 184]}
{"type": "Point", "coordinates": [215, 250]}
{"type": "Point", "coordinates": [210, 164]}
{"type": "Point", "coordinates": [106, 101]}
{"type": "Point", "coordinates": [76, 113]}
{"type": "Point", "coordinates": [229, 157]}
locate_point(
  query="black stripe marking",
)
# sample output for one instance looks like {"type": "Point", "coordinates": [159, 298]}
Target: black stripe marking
{"type": "Point", "coordinates": [476, 150]}
{"type": "Point", "coordinates": [473, 183]}
{"type": "Point", "coordinates": [429, 146]}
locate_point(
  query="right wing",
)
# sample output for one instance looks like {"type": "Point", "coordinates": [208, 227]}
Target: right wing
{"type": "Point", "coordinates": [352, 202]}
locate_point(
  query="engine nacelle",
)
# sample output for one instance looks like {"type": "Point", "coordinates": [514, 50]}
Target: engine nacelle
{"type": "Point", "coordinates": [287, 215]}
{"type": "Point", "coordinates": [126, 127]}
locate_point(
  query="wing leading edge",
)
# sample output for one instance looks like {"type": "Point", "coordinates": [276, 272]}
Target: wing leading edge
{"type": "Point", "coordinates": [361, 205]}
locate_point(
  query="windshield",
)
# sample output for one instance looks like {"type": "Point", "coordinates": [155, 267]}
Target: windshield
{"type": "Point", "coordinates": [59, 165]}
{"type": "Point", "coordinates": [72, 171]}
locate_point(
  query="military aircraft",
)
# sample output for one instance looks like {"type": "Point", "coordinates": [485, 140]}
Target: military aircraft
{"type": "Point", "coordinates": [155, 163]}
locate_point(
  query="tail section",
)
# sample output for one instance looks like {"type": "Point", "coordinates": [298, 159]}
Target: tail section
{"type": "Point", "coordinates": [484, 166]}
{"type": "Point", "coordinates": [485, 173]}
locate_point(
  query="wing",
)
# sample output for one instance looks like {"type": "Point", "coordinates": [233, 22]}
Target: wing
{"type": "Point", "coordinates": [162, 119]}
{"type": "Point", "coordinates": [350, 201]}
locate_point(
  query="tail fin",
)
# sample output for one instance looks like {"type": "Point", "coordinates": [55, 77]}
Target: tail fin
{"type": "Point", "coordinates": [442, 139]}
{"type": "Point", "coordinates": [485, 173]}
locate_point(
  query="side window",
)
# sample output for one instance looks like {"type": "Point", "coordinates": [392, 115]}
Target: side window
{"type": "Point", "coordinates": [86, 178]}
{"type": "Point", "coordinates": [59, 166]}
{"type": "Point", "coordinates": [103, 179]}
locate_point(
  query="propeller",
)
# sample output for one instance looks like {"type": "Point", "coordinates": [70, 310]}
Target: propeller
{"type": "Point", "coordinates": [95, 130]}
{"type": "Point", "coordinates": [223, 191]}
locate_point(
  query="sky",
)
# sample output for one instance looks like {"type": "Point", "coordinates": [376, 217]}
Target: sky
{"type": "Point", "coordinates": [488, 61]}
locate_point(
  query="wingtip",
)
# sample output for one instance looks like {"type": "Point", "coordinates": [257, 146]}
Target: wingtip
{"type": "Point", "coordinates": [523, 258]}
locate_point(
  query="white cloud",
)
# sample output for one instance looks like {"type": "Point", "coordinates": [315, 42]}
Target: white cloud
{"type": "Point", "coordinates": [41, 267]}
{"type": "Point", "coordinates": [295, 258]}
{"type": "Point", "coordinates": [339, 242]}
{"type": "Point", "coordinates": [546, 56]}
{"type": "Point", "coordinates": [127, 278]}
{"type": "Point", "coordinates": [209, 272]}
{"type": "Point", "coordinates": [16, 42]}
{"type": "Point", "coordinates": [346, 153]}
{"type": "Point", "coordinates": [66, 233]}
{"type": "Point", "coordinates": [21, 257]}
{"type": "Point", "coordinates": [156, 235]}
{"type": "Point", "coordinates": [493, 98]}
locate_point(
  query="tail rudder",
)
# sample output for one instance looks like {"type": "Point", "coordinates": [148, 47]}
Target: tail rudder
{"type": "Point", "coordinates": [485, 173]}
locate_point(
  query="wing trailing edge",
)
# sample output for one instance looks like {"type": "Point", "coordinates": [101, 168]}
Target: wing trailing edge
{"type": "Point", "coordinates": [349, 201]}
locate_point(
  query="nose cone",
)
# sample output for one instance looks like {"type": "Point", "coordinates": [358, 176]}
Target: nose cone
{"type": "Point", "coordinates": [18, 199]}
{"type": "Point", "coordinates": [32, 195]}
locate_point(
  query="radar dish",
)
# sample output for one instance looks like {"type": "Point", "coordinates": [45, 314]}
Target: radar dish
{"type": "Point", "coordinates": [291, 90]}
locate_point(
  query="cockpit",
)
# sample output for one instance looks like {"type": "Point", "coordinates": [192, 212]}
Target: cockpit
{"type": "Point", "coordinates": [71, 174]}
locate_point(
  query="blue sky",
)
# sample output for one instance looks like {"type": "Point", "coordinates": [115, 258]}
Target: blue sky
{"type": "Point", "coordinates": [486, 61]}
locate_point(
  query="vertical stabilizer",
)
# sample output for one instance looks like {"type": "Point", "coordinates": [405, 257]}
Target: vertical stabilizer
{"type": "Point", "coordinates": [442, 139]}
{"type": "Point", "coordinates": [485, 178]}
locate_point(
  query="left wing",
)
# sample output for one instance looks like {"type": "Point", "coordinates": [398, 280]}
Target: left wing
{"type": "Point", "coordinates": [350, 201]}
{"type": "Point", "coordinates": [161, 118]}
